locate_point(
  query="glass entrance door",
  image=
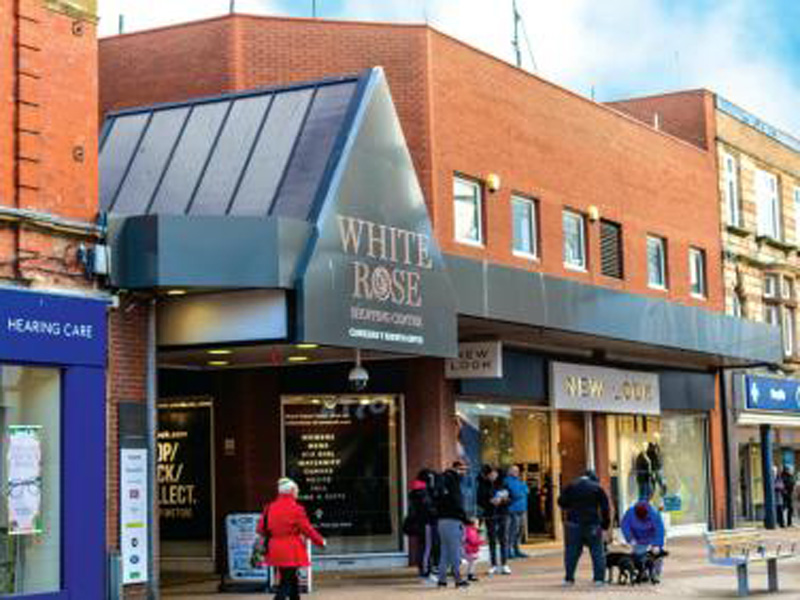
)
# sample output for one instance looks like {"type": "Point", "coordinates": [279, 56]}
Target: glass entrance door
{"type": "Point", "coordinates": [501, 436]}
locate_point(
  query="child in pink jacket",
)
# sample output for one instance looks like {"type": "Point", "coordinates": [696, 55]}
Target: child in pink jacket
{"type": "Point", "coordinates": [472, 546]}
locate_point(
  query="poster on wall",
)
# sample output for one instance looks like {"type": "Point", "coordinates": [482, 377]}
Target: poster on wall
{"type": "Point", "coordinates": [133, 514]}
{"type": "Point", "coordinates": [338, 451]}
{"type": "Point", "coordinates": [184, 472]}
{"type": "Point", "coordinates": [24, 479]}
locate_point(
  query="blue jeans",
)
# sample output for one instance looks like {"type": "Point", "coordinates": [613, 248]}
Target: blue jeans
{"type": "Point", "coordinates": [576, 536]}
{"type": "Point", "coordinates": [514, 533]}
{"type": "Point", "coordinates": [496, 530]}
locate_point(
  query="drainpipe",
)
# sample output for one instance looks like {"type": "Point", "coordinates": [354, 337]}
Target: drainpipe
{"type": "Point", "coordinates": [152, 443]}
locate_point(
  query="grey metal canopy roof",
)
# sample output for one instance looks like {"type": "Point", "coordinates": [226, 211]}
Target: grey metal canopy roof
{"type": "Point", "coordinates": [261, 153]}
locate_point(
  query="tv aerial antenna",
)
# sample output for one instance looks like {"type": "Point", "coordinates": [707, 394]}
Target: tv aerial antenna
{"type": "Point", "coordinates": [516, 43]}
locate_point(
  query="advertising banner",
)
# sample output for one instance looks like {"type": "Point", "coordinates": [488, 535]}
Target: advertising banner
{"type": "Point", "coordinates": [133, 514]}
{"type": "Point", "coordinates": [240, 536]}
{"type": "Point", "coordinates": [599, 389]}
{"type": "Point", "coordinates": [24, 479]}
{"type": "Point", "coordinates": [338, 451]}
{"type": "Point", "coordinates": [184, 472]}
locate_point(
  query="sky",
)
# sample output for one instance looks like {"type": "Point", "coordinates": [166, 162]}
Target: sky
{"type": "Point", "coordinates": [745, 50]}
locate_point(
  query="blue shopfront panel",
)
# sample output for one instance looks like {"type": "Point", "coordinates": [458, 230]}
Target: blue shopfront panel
{"type": "Point", "coordinates": [69, 332]}
{"type": "Point", "coordinates": [772, 394]}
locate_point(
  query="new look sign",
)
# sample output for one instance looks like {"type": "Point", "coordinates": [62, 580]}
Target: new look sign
{"type": "Point", "coordinates": [599, 389]}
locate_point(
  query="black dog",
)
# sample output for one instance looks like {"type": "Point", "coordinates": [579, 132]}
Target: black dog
{"type": "Point", "coordinates": [646, 566]}
{"type": "Point", "coordinates": [625, 565]}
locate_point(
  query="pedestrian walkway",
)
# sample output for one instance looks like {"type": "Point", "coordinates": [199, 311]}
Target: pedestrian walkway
{"type": "Point", "coordinates": [687, 574]}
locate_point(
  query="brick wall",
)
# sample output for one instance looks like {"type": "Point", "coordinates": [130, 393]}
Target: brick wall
{"type": "Point", "coordinates": [48, 157]}
{"type": "Point", "coordinates": [127, 381]}
{"type": "Point", "coordinates": [567, 151]}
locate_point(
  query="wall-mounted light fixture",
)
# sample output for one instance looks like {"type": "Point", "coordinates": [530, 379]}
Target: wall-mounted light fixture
{"type": "Point", "coordinates": [493, 182]}
{"type": "Point", "coordinates": [594, 213]}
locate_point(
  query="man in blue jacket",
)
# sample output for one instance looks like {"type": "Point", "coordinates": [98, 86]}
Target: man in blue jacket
{"type": "Point", "coordinates": [518, 506]}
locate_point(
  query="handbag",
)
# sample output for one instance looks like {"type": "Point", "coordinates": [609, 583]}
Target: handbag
{"type": "Point", "coordinates": [260, 549]}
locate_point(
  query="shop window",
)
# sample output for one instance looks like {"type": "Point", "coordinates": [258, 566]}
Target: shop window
{"type": "Point", "coordinates": [731, 185]}
{"type": "Point", "coordinates": [574, 240]}
{"type": "Point", "coordinates": [611, 249]}
{"type": "Point", "coordinates": [663, 459]}
{"type": "Point", "coordinates": [697, 272]}
{"type": "Point", "coordinates": [343, 451]}
{"type": "Point", "coordinates": [30, 513]}
{"type": "Point", "coordinates": [468, 211]}
{"type": "Point", "coordinates": [657, 262]}
{"type": "Point", "coordinates": [524, 215]}
{"type": "Point", "coordinates": [768, 205]}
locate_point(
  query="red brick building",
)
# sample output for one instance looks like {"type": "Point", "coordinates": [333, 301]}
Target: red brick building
{"type": "Point", "coordinates": [584, 240]}
{"type": "Point", "coordinates": [53, 334]}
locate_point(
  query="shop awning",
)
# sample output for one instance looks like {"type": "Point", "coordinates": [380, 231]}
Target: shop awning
{"type": "Point", "coordinates": [307, 187]}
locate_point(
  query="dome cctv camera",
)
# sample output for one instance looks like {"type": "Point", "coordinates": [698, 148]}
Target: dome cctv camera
{"type": "Point", "coordinates": [358, 378]}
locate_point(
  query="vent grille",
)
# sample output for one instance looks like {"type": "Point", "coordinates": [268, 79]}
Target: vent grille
{"type": "Point", "coordinates": [611, 249]}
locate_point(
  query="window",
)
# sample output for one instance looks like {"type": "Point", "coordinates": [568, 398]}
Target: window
{"type": "Point", "coordinates": [574, 240]}
{"type": "Point", "coordinates": [768, 205]}
{"type": "Point", "coordinates": [697, 272]}
{"type": "Point", "coordinates": [468, 211]}
{"type": "Point", "coordinates": [770, 286]}
{"type": "Point", "coordinates": [611, 249]}
{"type": "Point", "coordinates": [787, 288]}
{"type": "Point", "coordinates": [772, 314]}
{"type": "Point", "coordinates": [523, 213]}
{"type": "Point", "coordinates": [656, 262]}
{"type": "Point", "coordinates": [731, 183]}
{"type": "Point", "coordinates": [788, 331]}
{"type": "Point", "coordinates": [797, 216]}
{"type": "Point", "coordinates": [737, 305]}
{"type": "Point", "coordinates": [30, 446]}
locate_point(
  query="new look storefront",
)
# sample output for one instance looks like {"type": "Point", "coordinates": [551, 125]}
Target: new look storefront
{"type": "Point", "coordinates": [52, 423]}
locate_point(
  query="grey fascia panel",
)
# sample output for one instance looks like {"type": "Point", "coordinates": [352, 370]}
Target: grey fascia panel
{"type": "Point", "coordinates": [163, 251]}
{"type": "Point", "coordinates": [230, 155]}
{"type": "Point", "coordinates": [516, 296]}
{"type": "Point", "coordinates": [148, 163]}
{"type": "Point", "coordinates": [271, 154]}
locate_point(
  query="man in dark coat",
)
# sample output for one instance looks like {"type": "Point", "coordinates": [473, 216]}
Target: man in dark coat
{"type": "Point", "coordinates": [587, 516]}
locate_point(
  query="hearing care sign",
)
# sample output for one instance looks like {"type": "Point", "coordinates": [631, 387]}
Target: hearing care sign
{"type": "Point", "coordinates": [376, 278]}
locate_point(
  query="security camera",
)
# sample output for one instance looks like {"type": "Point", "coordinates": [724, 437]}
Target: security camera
{"type": "Point", "coordinates": [358, 378]}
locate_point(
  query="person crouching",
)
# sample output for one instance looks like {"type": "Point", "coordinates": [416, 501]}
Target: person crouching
{"type": "Point", "coordinates": [643, 529]}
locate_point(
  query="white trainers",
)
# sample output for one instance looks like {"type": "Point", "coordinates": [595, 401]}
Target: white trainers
{"type": "Point", "coordinates": [506, 570]}
{"type": "Point", "coordinates": [493, 571]}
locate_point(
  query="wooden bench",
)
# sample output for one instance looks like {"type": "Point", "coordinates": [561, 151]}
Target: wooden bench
{"type": "Point", "coordinates": [742, 547]}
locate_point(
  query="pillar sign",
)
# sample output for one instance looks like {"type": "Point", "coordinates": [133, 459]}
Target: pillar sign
{"type": "Point", "coordinates": [476, 360]}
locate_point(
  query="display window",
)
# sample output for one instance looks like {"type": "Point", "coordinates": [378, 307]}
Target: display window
{"type": "Point", "coordinates": [501, 436]}
{"type": "Point", "coordinates": [664, 460]}
{"type": "Point", "coordinates": [30, 512]}
{"type": "Point", "coordinates": [345, 454]}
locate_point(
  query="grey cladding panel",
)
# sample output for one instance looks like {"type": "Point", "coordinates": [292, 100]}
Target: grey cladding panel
{"type": "Point", "coordinates": [313, 151]}
{"type": "Point", "coordinates": [148, 164]}
{"type": "Point", "coordinates": [230, 155]}
{"type": "Point", "coordinates": [189, 158]}
{"type": "Point", "coordinates": [116, 155]}
{"type": "Point", "coordinates": [271, 154]}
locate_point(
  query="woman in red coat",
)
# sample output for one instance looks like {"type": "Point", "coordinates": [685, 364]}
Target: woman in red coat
{"type": "Point", "coordinates": [287, 526]}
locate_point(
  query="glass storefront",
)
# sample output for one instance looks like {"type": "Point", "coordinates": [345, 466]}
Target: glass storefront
{"type": "Point", "coordinates": [503, 435]}
{"type": "Point", "coordinates": [663, 459]}
{"type": "Point", "coordinates": [30, 513]}
{"type": "Point", "coordinates": [344, 452]}
{"type": "Point", "coordinates": [785, 453]}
